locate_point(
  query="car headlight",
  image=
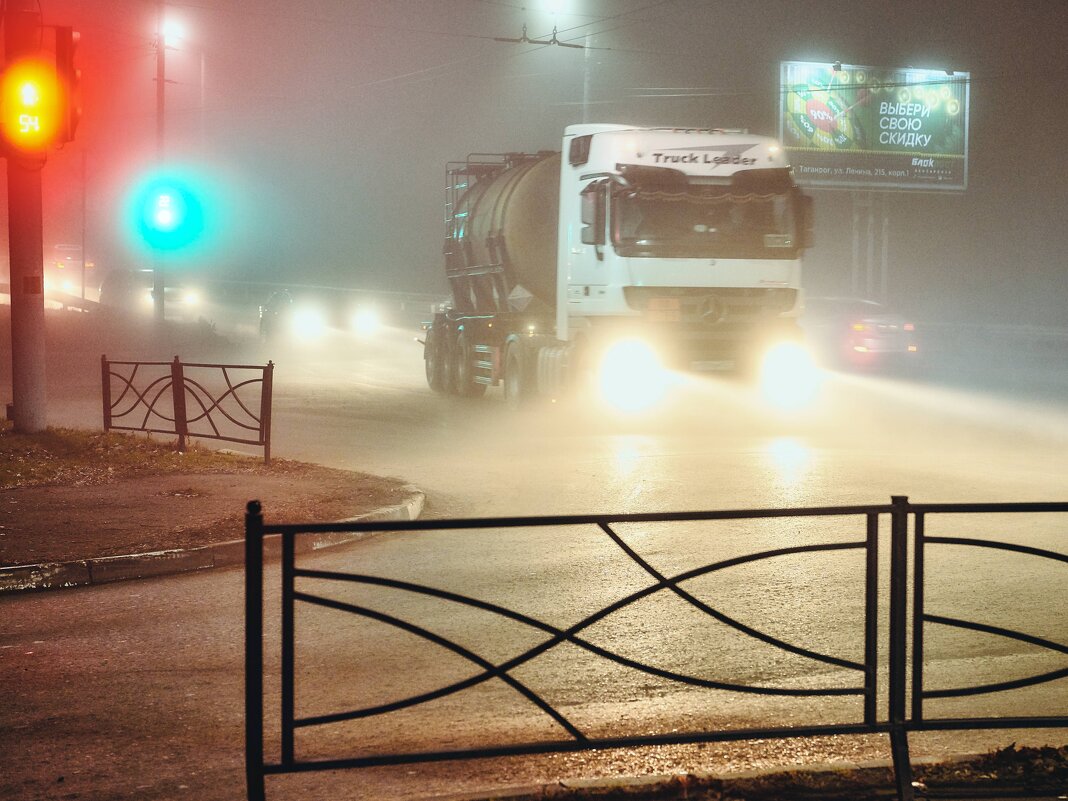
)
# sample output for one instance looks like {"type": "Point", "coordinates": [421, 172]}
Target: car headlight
{"type": "Point", "coordinates": [365, 322]}
{"type": "Point", "coordinates": [308, 323]}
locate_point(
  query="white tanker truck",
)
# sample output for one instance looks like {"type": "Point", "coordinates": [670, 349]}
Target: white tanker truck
{"type": "Point", "coordinates": [685, 244]}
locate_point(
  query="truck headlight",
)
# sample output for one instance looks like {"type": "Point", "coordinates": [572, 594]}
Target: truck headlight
{"type": "Point", "coordinates": [788, 376]}
{"type": "Point", "coordinates": [631, 376]}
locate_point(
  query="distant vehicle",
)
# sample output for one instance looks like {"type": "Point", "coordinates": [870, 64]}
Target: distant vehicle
{"type": "Point", "coordinates": [854, 332]}
{"type": "Point", "coordinates": [131, 292]}
{"type": "Point", "coordinates": [275, 315]}
{"type": "Point", "coordinates": [301, 316]}
{"type": "Point", "coordinates": [66, 277]}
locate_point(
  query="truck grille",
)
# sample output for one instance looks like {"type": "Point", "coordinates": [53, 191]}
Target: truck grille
{"type": "Point", "coordinates": [723, 307]}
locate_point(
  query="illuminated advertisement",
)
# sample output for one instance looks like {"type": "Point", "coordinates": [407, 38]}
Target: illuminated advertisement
{"type": "Point", "coordinates": [873, 128]}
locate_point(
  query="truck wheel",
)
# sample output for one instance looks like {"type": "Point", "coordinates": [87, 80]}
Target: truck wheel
{"type": "Point", "coordinates": [433, 357]}
{"type": "Point", "coordinates": [449, 365]}
{"type": "Point", "coordinates": [517, 389]}
{"type": "Point", "coordinates": [464, 354]}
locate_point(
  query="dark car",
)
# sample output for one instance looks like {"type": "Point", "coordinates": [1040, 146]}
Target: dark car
{"type": "Point", "coordinates": [131, 292]}
{"type": "Point", "coordinates": [854, 332]}
{"type": "Point", "coordinates": [276, 314]}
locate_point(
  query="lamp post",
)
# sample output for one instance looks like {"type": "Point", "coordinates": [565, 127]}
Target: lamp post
{"type": "Point", "coordinates": [167, 35]}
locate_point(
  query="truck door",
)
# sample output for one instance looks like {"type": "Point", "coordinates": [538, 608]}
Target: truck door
{"type": "Point", "coordinates": [587, 270]}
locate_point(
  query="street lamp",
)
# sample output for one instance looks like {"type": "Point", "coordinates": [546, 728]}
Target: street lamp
{"type": "Point", "coordinates": [168, 35]}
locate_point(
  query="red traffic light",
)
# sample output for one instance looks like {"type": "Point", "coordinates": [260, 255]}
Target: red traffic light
{"type": "Point", "coordinates": [69, 77]}
{"type": "Point", "coordinates": [31, 106]}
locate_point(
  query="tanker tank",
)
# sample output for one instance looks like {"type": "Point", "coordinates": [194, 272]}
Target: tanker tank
{"type": "Point", "coordinates": [510, 222]}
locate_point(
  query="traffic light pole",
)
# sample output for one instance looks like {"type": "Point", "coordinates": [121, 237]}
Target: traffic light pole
{"type": "Point", "coordinates": [26, 247]}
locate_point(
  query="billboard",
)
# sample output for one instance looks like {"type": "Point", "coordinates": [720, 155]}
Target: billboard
{"type": "Point", "coordinates": [857, 127]}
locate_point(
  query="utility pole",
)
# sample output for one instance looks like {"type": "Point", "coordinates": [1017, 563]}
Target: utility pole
{"type": "Point", "coordinates": [85, 189]}
{"type": "Point", "coordinates": [22, 26]}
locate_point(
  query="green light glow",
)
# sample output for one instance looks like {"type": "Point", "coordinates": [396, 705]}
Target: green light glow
{"type": "Point", "coordinates": [172, 210]}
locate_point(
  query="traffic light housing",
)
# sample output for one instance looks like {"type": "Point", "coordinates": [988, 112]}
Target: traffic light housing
{"type": "Point", "coordinates": [31, 107]}
{"type": "Point", "coordinates": [69, 77]}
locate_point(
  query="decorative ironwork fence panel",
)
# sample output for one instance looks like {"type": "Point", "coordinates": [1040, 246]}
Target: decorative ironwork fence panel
{"type": "Point", "coordinates": [874, 685]}
{"type": "Point", "coordinates": [230, 402]}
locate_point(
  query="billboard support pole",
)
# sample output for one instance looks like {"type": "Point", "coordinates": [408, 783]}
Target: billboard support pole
{"type": "Point", "coordinates": [870, 261]}
{"type": "Point", "coordinates": [855, 277]}
{"type": "Point", "coordinates": [883, 289]}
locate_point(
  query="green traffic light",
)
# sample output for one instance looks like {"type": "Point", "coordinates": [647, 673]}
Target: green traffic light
{"type": "Point", "coordinates": [183, 211]}
{"type": "Point", "coordinates": [170, 214]}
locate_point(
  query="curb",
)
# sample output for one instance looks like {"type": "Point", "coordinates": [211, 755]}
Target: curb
{"type": "Point", "coordinates": [873, 778]}
{"type": "Point", "coordinates": [106, 569]}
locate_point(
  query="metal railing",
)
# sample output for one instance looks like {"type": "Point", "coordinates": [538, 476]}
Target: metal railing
{"type": "Point", "coordinates": [897, 719]}
{"type": "Point", "coordinates": [229, 402]}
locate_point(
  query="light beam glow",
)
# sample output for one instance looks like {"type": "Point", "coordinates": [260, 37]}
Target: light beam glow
{"type": "Point", "coordinates": [789, 379]}
{"type": "Point", "coordinates": [631, 377]}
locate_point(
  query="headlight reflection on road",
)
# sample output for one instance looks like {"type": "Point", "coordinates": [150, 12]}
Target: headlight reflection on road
{"type": "Point", "coordinates": [789, 457]}
{"type": "Point", "coordinates": [631, 377]}
{"type": "Point", "coordinates": [789, 379]}
{"type": "Point", "coordinates": [628, 454]}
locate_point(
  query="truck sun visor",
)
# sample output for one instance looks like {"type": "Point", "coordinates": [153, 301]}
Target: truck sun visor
{"type": "Point", "coordinates": [762, 182]}
{"type": "Point", "coordinates": [653, 178]}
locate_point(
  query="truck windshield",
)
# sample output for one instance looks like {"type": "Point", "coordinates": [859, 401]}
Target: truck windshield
{"type": "Point", "coordinates": [705, 221]}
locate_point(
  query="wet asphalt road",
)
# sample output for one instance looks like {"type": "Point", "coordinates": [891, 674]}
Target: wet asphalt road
{"type": "Point", "coordinates": [133, 691]}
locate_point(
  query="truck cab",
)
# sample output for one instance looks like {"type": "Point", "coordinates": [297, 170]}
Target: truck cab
{"type": "Point", "coordinates": [696, 235]}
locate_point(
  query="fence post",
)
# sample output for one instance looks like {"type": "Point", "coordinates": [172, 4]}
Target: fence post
{"type": "Point", "coordinates": [254, 652]}
{"type": "Point", "coordinates": [871, 619]}
{"type": "Point", "coordinates": [899, 742]}
{"type": "Point", "coordinates": [266, 399]}
{"type": "Point", "coordinates": [181, 427]}
{"type": "Point", "coordinates": [288, 647]}
{"type": "Point", "coordinates": [917, 617]}
{"type": "Point", "coordinates": [105, 386]}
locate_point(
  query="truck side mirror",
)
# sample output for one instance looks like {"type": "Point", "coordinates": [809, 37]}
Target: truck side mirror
{"type": "Point", "coordinates": [593, 199]}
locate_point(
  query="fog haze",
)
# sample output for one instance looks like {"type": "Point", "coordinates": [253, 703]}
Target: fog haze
{"type": "Point", "coordinates": [325, 127]}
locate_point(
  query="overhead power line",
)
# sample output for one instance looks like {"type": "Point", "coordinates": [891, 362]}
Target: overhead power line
{"type": "Point", "coordinates": [524, 39]}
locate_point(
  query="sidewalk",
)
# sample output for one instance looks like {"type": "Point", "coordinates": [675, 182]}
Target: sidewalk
{"type": "Point", "coordinates": [54, 537]}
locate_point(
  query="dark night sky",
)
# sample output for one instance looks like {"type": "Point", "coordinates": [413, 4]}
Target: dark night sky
{"type": "Point", "coordinates": [326, 125]}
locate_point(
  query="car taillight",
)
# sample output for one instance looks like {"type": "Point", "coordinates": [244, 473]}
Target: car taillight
{"type": "Point", "coordinates": [909, 327]}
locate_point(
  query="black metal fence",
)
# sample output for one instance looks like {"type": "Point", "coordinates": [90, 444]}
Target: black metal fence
{"type": "Point", "coordinates": [899, 683]}
{"type": "Point", "coordinates": [230, 402]}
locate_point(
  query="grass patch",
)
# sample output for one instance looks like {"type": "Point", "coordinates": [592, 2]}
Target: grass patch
{"type": "Point", "coordinates": [77, 458]}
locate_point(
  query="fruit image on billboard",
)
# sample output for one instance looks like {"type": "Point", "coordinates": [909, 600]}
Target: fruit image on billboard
{"type": "Point", "coordinates": [873, 128]}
